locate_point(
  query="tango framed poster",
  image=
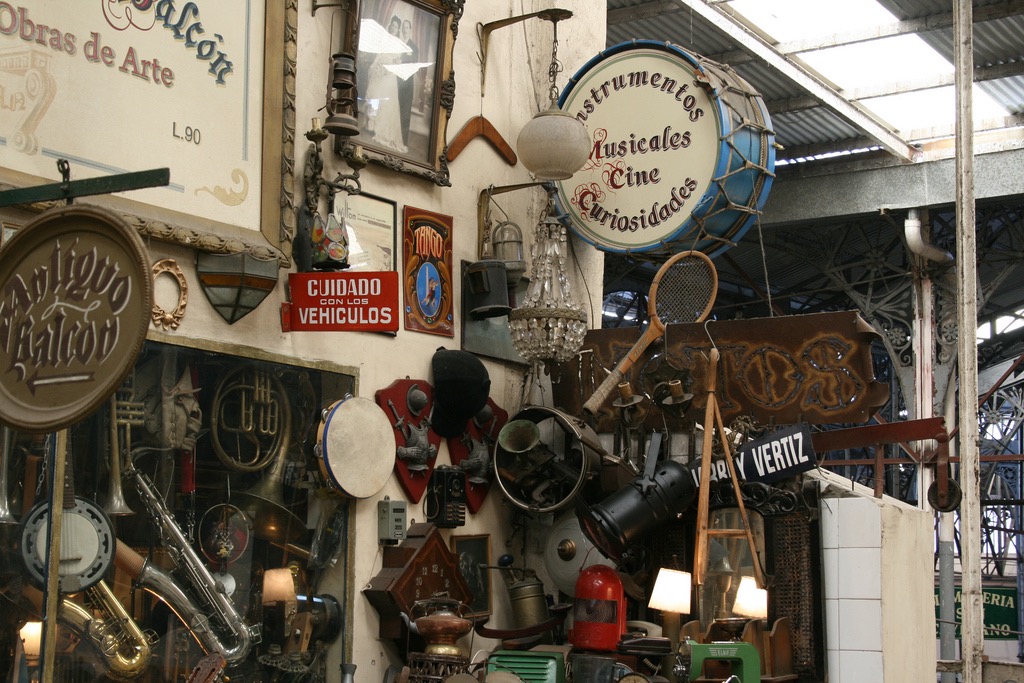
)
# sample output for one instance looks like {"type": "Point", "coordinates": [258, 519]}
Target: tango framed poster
{"type": "Point", "coordinates": [427, 272]}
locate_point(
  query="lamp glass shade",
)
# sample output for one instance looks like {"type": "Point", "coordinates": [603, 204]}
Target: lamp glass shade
{"type": "Point", "coordinates": [278, 586]}
{"type": "Point", "coordinates": [671, 591]}
{"type": "Point", "coordinates": [751, 601]}
{"type": "Point", "coordinates": [553, 145]}
{"type": "Point", "coordinates": [31, 635]}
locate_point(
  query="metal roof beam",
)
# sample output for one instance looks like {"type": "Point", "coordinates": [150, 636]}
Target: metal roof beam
{"type": "Point", "coordinates": [645, 10]}
{"type": "Point", "coordinates": [828, 96]}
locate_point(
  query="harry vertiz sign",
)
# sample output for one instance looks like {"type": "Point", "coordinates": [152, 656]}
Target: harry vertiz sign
{"type": "Point", "coordinates": [75, 300]}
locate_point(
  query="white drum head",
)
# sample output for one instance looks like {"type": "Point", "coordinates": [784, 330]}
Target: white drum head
{"type": "Point", "coordinates": [357, 447]}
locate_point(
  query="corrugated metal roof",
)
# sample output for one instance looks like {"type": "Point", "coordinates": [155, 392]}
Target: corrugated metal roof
{"type": "Point", "coordinates": [814, 129]}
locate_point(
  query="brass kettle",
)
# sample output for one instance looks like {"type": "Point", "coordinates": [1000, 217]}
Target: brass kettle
{"type": "Point", "coordinates": [441, 624]}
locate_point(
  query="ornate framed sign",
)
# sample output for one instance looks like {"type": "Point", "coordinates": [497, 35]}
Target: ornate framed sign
{"type": "Point", "coordinates": [75, 302]}
{"type": "Point", "coordinates": [163, 58]}
{"type": "Point", "coordinates": [406, 84]}
{"type": "Point", "coordinates": [427, 272]}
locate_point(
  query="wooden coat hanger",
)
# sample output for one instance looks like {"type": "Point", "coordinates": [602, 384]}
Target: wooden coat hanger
{"type": "Point", "coordinates": [478, 126]}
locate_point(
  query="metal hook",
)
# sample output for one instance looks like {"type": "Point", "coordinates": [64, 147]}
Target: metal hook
{"type": "Point", "coordinates": [708, 333]}
{"type": "Point", "coordinates": [65, 180]}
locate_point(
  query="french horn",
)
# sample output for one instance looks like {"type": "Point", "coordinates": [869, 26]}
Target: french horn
{"type": "Point", "coordinates": [250, 419]}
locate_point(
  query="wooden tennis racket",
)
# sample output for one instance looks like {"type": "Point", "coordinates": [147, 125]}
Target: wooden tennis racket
{"type": "Point", "coordinates": [683, 291]}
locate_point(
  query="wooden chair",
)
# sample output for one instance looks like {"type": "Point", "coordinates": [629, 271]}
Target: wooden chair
{"type": "Point", "coordinates": [778, 653]}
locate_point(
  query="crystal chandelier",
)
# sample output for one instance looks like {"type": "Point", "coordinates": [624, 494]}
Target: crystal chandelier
{"type": "Point", "coordinates": [548, 325]}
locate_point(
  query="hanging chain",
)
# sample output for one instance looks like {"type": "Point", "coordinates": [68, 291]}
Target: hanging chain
{"type": "Point", "coordinates": [554, 68]}
{"type": "Point", "coordinates": [45, 463]}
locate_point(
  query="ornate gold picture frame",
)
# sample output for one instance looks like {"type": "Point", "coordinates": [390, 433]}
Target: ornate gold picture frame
{"type": "Point", "coordinates": [406, 85]}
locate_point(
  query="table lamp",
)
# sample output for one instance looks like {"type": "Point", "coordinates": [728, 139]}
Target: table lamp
{"type": "Point", "coordinates": [31, 634]}
{"type": "Point", "coordinates": [751, 601]}
{"type": "Point", "coordinates": [671, 595]}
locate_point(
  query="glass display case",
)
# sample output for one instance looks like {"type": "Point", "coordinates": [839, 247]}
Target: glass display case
{"type": "Point", "coordinates": [195, 530]}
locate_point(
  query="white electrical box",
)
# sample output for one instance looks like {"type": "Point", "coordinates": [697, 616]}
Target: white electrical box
{"type": "Point", "coordinates": [391, 521]}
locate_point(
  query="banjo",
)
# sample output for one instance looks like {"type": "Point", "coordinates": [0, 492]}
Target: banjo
{"type": "Point", "coordinates": [86, 540]}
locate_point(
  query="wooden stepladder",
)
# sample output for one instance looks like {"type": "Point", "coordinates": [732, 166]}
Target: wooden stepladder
{"type": "Point", "coordinates": [713, 420]}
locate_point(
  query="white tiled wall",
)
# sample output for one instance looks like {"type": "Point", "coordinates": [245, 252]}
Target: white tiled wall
{"type": "Point", "coordinates": [858, 569]}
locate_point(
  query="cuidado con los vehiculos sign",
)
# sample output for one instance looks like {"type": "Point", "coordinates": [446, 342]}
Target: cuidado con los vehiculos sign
{"type": "Point", "coordinates": [342, 302]}
{"type": "Point", "coordinates": [682, 152]}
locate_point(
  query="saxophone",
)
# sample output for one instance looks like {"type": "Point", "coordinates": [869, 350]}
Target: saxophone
{"type": "Point", "coordinates": [116, 639]}
{"type": "Point", "coordinates": [205, 608]}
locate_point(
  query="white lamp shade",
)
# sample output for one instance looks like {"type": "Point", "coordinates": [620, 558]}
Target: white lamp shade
{"type": "Point", "coordinates": [278, 586]}
{"type": "Point", "coordinates": [553, 145]}
{"type": "Point", "coordinates": [671, 591]}
{"type": "Point", "coordinates": [751, 601]}
{"type": "Point", "coordinates": [31, 635]}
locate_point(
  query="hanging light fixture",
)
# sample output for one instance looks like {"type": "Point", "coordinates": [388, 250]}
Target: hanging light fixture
{"type": "Point", "coordinates": [548, 325]}
{"type": "Point", "coordinates": [554, 144]}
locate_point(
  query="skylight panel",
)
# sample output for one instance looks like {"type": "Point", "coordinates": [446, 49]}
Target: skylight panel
{"type": "Point", "coordinates": [899, 61]}
{"type": "Point", "coordinates": [887, 60]}
{"type": "Point", "coordinates": [914, 114]}
{"type": "Point", "coordinates": [791, 20]}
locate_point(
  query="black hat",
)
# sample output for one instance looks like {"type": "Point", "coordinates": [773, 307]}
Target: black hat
{"type": "Point", "coordinates": [461, 386]}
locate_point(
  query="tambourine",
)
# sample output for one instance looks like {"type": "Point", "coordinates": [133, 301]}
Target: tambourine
{"type": "Point", "coordinates": [356, 447]}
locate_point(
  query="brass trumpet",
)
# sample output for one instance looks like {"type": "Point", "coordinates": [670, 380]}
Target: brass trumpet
{"type": "Point", "coordinates": [123, 413]}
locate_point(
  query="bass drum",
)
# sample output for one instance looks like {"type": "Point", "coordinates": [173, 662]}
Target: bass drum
{"type": "Point", "coordinates": [682, 152]}
{"type": "Point", "coordinates": [356, 447]}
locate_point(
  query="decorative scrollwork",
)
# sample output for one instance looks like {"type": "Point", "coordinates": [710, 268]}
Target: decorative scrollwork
{"type": "Point", "coordinates": [760, 497]}
{"type": "Point", "coordinates": [161, 317]}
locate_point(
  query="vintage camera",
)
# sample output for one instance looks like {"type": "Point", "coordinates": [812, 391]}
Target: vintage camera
{"type": "Point", "coordinates": [445, 506]}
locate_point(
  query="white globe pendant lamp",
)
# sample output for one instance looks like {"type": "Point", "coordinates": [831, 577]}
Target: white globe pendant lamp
{"type": "Point", "coordinates": [553, 145]}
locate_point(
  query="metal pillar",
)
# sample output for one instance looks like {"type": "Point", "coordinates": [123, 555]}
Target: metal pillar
{"type": "Point", "coordinates": [972, 643]}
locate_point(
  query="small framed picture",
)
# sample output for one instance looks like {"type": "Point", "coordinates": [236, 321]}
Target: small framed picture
{"type": "Point", "coordinates": [371, 225]}
{"type": "Point", "coordinates": [427, 282]}
{"type": "Point", "coordinates": [405, 84]}
{"type": "Point", "coordinates": [473, 554]}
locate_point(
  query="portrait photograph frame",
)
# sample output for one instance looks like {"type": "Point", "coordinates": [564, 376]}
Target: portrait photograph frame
{"type": "Point", "coordinates": [472, 556]}
{"type": "Point", "coordinates": [405, 85]}
{"type": "Point", "coordinates": [372, 227]}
